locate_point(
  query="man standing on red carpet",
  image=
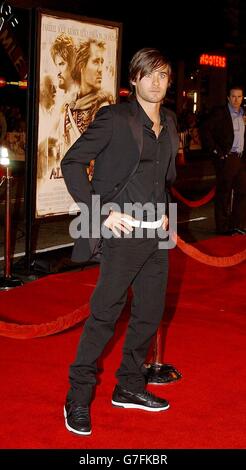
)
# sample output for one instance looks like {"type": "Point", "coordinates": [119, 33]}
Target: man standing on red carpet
{"type": "Point", "coordinates": [224, 136]}
{"type": "Point", "coordinates": [134, 146]}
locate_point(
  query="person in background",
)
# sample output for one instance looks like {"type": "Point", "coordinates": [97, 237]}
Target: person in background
{"type": "Point", "coordinates": [88, 74]}
{"type": "Point", "coordinates": [134, 146]}
{"type": "Point", "coordinates": [223, 135]}
{"type": "Point", "coordinates": [63, 53]}
{"type": "Point", "coordinates": [47, 94]}
{"type": "Point", "coordinates": [47, 124]}
{"type": "Point", "coordinates": [3, 125]}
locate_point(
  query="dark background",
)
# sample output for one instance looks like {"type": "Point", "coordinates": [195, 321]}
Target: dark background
{"type": "Point", "coordinates": [181, 30]}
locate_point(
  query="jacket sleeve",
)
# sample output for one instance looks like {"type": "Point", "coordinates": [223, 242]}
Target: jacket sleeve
{"type": "Point", "coordinates": [172, 125]}
{"type": "Point", "coordinates": [88, 146]}
{"type": "Point", "coordinates": [208, 134]}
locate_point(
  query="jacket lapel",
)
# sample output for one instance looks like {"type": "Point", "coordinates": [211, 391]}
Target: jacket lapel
{"type": "Point", "coordinates": [135, 125]}
{"type": "Point", "coordinates": [173, 135]}
{"type": "Point", "coordinates": [137, 128]}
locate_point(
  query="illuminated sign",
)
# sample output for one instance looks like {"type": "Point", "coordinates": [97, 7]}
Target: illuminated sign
{"type": "Point", "coordinates": [124, 92]}
{"type": "Point", "coordinates": [20, 84]}
{"type": "Point", "coordinates": [9, 41]}
{"type": "Point", "coordinates": [7, 15]}
{"type": "Point", "coordinates": [213, 60]}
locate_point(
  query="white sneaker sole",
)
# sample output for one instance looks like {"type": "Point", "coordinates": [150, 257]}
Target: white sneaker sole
{"type": "Point", "coordinates": [82, 433]}
{"type": "Point", "coordinates": [139, 407]}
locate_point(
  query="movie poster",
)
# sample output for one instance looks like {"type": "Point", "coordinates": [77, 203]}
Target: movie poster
{"type": "Point", "coordinates": [78, 74]}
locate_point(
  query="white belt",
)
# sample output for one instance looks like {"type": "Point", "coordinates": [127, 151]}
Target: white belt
{"type": "Point", "coordinates": [143, 223]}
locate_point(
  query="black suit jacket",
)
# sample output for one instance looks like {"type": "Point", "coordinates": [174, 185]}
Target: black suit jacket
{"type": "Point", "coordinates": [115, 141]}
{"type": "Point", "coordinates": [217, 132]}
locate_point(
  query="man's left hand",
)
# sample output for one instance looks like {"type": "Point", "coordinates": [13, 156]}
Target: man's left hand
{"type": "Point", "coordinates": [164, 222]}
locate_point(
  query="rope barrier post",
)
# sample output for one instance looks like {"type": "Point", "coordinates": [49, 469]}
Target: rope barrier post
{"type": "Point", "coordinates": [231, 202]}
{"type": "Point", "coordinates": [180, 160]}
{"type": "Point", "coordinates": [156, 372]}
{"type": "Point", "coordinates": [7, 281]}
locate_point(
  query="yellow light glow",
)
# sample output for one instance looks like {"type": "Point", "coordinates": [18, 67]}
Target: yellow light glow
{"type": "Point", "coordinates": [4, 156]}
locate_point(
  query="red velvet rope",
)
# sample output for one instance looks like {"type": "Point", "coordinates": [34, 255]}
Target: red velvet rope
{"type": "Point", "coordinates": [198, 203]}
{"type": "Point", "coordinates": [217, 261]}
{"type": "Point", "coordinates": [14, 330]}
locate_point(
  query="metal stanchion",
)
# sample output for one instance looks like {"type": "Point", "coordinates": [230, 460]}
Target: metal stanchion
{"type": "Point", "coordinates": [156, 372]}
{"type": "Point", "coordinates": [7, 281]}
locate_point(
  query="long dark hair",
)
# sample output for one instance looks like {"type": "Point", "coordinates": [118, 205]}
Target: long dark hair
{"type": "Point", "coordinates": [146, 61]}
{"type": "Point", "coordinates": [83, 55]}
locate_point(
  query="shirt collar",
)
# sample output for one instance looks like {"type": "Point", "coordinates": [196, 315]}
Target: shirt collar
{"type": "Point", "coordinates": [145, 118]}
{"type": "Point", "coordinates": [233, 111]}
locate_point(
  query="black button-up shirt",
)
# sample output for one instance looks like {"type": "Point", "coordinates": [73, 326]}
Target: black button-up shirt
{"type": "Point", "coordinates": [148, 182]}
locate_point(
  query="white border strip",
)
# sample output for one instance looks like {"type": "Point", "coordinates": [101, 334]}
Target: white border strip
{"type": "Point", "coordinates": [192, 220]}
{"type": "Point", "coordinates": [57, 247]}
{"type": "Point", "coordinates": [42, 250]}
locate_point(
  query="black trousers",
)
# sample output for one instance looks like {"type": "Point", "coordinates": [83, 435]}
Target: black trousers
{"type": "Point", "coordinates": [230, 175]}
{"type": "Point", "coordinates": [125, 262]}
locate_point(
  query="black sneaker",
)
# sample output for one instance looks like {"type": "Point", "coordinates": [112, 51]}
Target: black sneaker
{"type": "Point", "coordinates": [77, 417]}
{"type": "Point", "coordinates": [141, 400]}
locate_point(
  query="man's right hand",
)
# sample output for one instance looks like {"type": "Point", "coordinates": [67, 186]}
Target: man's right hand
{"type": "Point", "coordinates": [115, 223]}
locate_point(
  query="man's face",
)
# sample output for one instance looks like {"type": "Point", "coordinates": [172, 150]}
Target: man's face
{"type": "Point", "coordinates": [235, 98]}
{"type": "Point", "coordinates": [47, 93]}
{"type": "Point", "coordinates": [92, 73]}
{"type": "Point", "coordinates": [153, 86]}
{"type": "Point", "coordinates": [64, 73]}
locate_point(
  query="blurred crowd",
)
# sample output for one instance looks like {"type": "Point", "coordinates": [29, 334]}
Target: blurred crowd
{"type": "Point", "coordinates": [11, 120]}
{"type": "Point", "coordinates": [13, 131]}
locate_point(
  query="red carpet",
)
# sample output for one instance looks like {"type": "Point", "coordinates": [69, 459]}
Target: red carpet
{"type": "Point", "coordinates": [204, 327]}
